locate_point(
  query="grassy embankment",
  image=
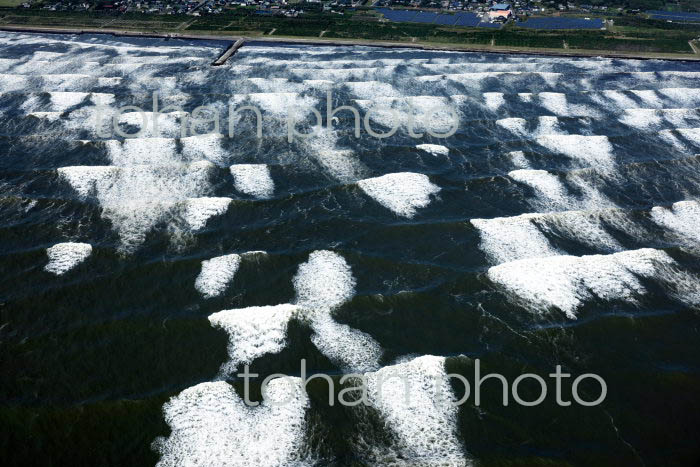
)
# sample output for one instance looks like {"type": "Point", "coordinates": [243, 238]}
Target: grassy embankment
{"type": "Point", "coordinates": [629, 35]}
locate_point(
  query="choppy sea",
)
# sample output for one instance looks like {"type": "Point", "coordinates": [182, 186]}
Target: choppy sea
{"type": "Point", "coordinates": [558, 225]}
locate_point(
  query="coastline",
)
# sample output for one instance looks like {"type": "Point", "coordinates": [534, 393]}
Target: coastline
{"type": "Point", "coordinates": [317, 41]}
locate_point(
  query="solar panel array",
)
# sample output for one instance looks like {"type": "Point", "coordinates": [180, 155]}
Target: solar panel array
{"type": "Point", "coordinates": [446, 20]}
{"type": "Point", "coordinates": [562, 23]}
{"type": "Point", "coordinates": [467, 19]}
{"type": "Point", "coordinates": [489, 25]}
{"type": "Point", "coordinates": [675, 16]}
{"type": "Point", "coordinates": [405, 16]}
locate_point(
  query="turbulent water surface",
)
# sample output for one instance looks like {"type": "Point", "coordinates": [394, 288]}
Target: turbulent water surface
{"type": "Point", "coordinates": [558, 226]}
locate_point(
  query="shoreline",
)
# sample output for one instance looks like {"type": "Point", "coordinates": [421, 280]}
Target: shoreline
{"type": "Point", "coordinates": [315, 41]}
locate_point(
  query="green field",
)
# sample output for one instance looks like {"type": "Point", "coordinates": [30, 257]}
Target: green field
{"type": "Point", "coordinates": [11, 3]}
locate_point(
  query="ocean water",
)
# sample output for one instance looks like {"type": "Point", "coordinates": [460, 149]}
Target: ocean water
{"type": "Point", "coordinates": [559, 225]}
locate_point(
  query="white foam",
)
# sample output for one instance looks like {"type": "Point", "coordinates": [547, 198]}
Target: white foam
{"type": "Point", "coordinates": [65, 256]}
{"type": "Point", "coordinates": [566, 282]}
{"type": "Point", "coordinates": [506, 239]}
{"type": "Point", "coordinates": [403, 193]}
{"type": "Point", "coordinates": [592, 151]}
{"type": "Point", "coordinates": [649, 97]}
{"type": "Point", "coordinates": [494, 100]}
{"type": "Point", "coordinates": [547, 125]}
{"type": "Point", "coordinates": [434, 149]}
{"type": "Point", "coordinates": [61, 101]}
{"type": "Point", "coordinates": [216, 274]}
{"type": "Point", "coordinates": [48, 116]}
{"type": "Point", "coordinates": [211, 425]}
{"type": "Point", "coordinates": [550, 190]}
{"type": "Point", "coordinates": [109, 80]}
{"type": "Point", "coordinates": [253, 332]}
{"type": "Point", "coordinates": [351, 349]}
{"type": "Point", "coordinates": [253, 180]}
{"type": "Point", "coordinates": [339, 163]}
{"type": "Point", "coordinates": [682, 217]}
{"type": "Point", "coordinates": [519, 160]}
{"type": "Point", "coordinates": [558, 104]}
{"type": "Point", "coordinates": [415, 399]}
{"type": "Point", "coordinates": [322, 284]}
{"type": "Point", "coordinates": [157, 125]}
{"type": "Point", "coordinates": [199, 210]}
{"type": "Point", "coordinates": [515, 125]}
{"type": "Point", "coordinates": [142, 151]}
{"type": "Point", "coordinates": [371, 89]}
{"type": "Point", "coordinates": [136, 198]}
{"type": "Point", "coordinates": [206, 147]}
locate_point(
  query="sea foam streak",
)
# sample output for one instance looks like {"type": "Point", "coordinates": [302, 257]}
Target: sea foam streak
{"type": "Point", "coordinates": [253, 180]}
{"type": "Point", "coordinates": [424, 427]}
{"type": "Point", "coordinates": [211, 425]}
{"type": "Point", "coordinates": [566, 282]}
{"type": "Point", "coordinates": [216, 274]}
{"type": "Point", "coordinates": [403, 193]}
{"type": "Point", "coordinates": [322, 284]}
{"type": "Point", "coordinates": [682, 217]}
{"type": "Point", "coordinates": [253, 332]}
{"type": "Point", "coordinates": [65, 256]}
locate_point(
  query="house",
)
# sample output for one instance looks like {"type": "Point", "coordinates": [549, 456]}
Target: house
{"type": "Point", "coordinates": [500, 12]}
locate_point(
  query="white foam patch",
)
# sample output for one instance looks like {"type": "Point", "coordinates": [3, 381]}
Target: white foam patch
{"type": "Point", "coordinates": [592, 151]}
{"type": "Point", "coordinates": [10, 82]}
{"type": "Point", "coordinates": [280, 103]}
{"type": "Point", "coordinates": [65, 256]}
{"type": "Point", "coordinates": [403, 193]}
{"type": "Point", "coordinates": [253, 179]}
{"type": "Point", "coordinates": [155, 125]}
{"type": "Point", "coordinates": [548, 187]}
{"type": "Point", "coordinates": [211, 425]}
{"type": "Point", "coordinates": [641, 118]}
{"type": "Point", "coordinates": [648, 97]}
{"type": "Point", "coordinates": [371, 89]}
{"type": "Point", "coordinates": [515, 125]}
{"type": "Point", "coordinates": [323, 283]}
{"type": "Point", "coordinates": [199, 210]}
{"type": "Point", "coordinates": [415, 399]}
{"type": "Point", "coordinates": [682, 217]}
{"type": "Point", "coordinates": [61, 101]}
{"type": "Point", "coordinates": [547, 125]}
{"type": "Point", "coordinates": [253, 332]}
{"type": "Point", "coordinates": [419, 113]}
{"type": "Point", "coordinates": [567, 282]}
{"type": "Point", "coordinates": [136, 198]}
{"type": "Point", "coordinates": [207, 147]}
{"type": "Point", "coordinates": [142, 151]}
{"type": "Point", "coordinates": [109, 81]}
{"type": "Point", "coordinates": [340, 163]}
{"type": "Point", "coordinates": [558, 104]}
{"type": "Point", "coordinates": [48, 116]}
{"type": "Point", "coordinates": [506, 239]}
{"type": "Point", "coordinates": [216, 274]}
{"type": "Point", "coordinates": [645, 119]}
{"type": "Point", "coordinates": [686, 97]}
{"type": "Point", "coordinates": [494, 100]}
{"type": "Point", "coordinates": [434, 149]}
{"type": "Point", "coordinates": [519, 160]}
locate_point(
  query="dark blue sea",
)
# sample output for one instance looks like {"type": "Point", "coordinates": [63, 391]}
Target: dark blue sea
{"type": "Point", "coordinates": [513, 213]}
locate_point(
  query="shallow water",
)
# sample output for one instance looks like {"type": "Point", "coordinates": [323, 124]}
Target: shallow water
{"type": "Point", "coordinates": [558, 226]}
